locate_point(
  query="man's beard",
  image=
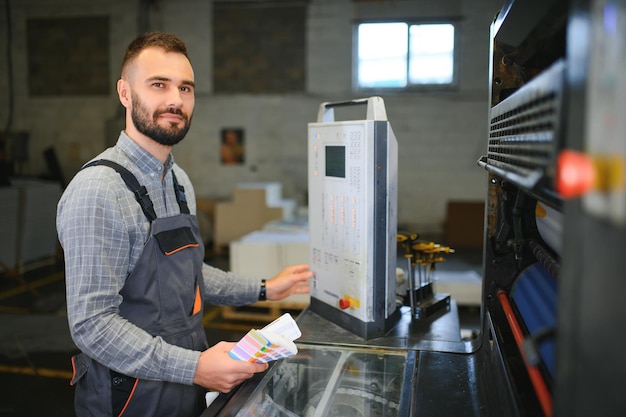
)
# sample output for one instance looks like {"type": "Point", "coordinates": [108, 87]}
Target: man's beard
{"type": "Point", "coordinates": [150, 127]}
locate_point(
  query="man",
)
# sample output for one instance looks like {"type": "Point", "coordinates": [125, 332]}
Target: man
{"type": "Point", "coordinates": [135, 275]}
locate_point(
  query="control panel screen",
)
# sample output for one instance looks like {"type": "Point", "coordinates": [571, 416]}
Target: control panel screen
{"type": "Point", "coordinates": [336, 161]}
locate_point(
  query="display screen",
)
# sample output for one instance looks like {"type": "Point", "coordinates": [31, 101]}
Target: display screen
{"type": "Point", "coordinates": [336, 161]}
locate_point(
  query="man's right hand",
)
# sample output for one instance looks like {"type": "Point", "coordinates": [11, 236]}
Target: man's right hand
{"type": "Point", "coordinates": [217, 371]}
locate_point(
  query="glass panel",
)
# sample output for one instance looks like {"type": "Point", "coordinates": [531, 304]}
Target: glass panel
{"type": "Point", "coordinates": [331, 382]}
{"type": "Point", "coordinates": [431, 54]}
{"type": "Point", "coordinates": [382, 54]}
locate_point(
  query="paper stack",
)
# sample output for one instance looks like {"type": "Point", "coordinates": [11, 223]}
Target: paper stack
{"type": "Point", "coordinates": [272, 342]}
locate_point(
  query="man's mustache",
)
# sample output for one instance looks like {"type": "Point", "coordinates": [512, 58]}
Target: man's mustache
{"type": "Point", "coordinates": [173, 111]}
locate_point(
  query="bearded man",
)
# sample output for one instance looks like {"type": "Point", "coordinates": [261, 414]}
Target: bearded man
{"type": "Point", "coordinates": [136, 279]}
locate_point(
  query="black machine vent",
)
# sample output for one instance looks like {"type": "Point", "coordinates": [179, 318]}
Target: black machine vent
{"type": "Point", "coordinates": [524, 131]}
{"type": "Point", "coordinates": [522, 138]}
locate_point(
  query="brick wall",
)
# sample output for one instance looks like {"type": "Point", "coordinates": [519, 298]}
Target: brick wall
{"type": "Point", "coordinates": [440, 135]}
{"type": "Point", "coordinates": [258, 49]}
{"type": "Point", "coordinates": [68, 56]}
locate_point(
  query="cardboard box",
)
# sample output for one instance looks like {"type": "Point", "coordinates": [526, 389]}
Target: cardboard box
{"type": "Point", "coordinates": [464, 224]}
{"type": "Point", "coordinates": [264, 253]}
{"type": "Point", "coordinates": [248, 211]}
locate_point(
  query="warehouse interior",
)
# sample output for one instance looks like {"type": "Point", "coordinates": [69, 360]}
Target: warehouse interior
{"type": "Point", "coordinates": [505, 198]}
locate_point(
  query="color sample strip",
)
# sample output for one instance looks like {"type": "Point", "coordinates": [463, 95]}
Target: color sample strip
{"type": "Point", "coordinates": [250, 346]}
{"type": "Point", "coordinates": [273, 342]}
{"type": "Point", "coordinates": [255, 347]}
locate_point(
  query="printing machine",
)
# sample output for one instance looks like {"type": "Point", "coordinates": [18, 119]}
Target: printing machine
{"type": "Point", "coordinates": [553, 258]}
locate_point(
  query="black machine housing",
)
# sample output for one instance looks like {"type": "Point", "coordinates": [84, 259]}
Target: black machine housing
{"type": "Point", "coordinates": [539, 82]}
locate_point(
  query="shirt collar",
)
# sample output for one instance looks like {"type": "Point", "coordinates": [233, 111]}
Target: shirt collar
{"type": "Point", "coordinates": [145, 161]}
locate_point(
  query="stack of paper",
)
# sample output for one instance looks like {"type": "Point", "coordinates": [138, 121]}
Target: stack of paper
{"type": "Point", "coordinates": [272, 342]}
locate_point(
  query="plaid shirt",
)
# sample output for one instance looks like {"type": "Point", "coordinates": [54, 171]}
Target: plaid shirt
{"type": "Point", "coordinates": [103, 230]}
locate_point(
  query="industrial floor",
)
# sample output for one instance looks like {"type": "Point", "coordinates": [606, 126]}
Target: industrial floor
{"type": "Point", "coordinates": [35, 346]}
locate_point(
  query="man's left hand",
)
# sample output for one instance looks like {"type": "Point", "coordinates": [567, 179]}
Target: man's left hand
{"type": "Point", "coordinates": [291, 280]}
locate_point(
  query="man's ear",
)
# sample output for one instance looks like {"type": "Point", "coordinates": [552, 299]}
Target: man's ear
{"type": "Point", "coordinates": [123, 92]}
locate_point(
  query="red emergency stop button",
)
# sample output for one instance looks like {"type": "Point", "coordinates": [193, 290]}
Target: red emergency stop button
{"type": "Point", "coordinates": [575, 174]}
{"type": "Point", "coordinates": [344, 303]}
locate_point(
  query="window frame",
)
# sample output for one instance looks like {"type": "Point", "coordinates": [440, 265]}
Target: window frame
{"type": "Point", "coordinates": [456, 57]}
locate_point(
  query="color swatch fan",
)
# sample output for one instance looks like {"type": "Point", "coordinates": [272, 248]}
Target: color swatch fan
{"type": "Point", "coordinates": [272, 342]}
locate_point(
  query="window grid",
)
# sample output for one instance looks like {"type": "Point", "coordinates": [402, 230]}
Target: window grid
{"type": "Point", "coordinates": [405, 55]}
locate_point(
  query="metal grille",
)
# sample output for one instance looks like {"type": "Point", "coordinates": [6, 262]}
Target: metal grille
{"type": "Point", "coordinates": [523, 128]}
{"type": "Point", "coordinates": [522, 139]}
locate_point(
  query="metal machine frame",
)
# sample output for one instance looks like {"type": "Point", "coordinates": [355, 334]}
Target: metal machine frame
{"type": "Point", "coordinates": [542, 75]}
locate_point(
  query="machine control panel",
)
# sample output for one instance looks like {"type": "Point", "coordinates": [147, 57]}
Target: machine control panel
{"type": "Point", "coordinates": [352, 216]}
{"type": "Point", "coordinates": [340, 249]}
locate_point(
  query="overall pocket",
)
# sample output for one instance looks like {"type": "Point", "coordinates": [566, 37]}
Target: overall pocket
{"type": "Point", "coordinates": [80, 366]}
{"type": "Point", "coordinates": [122, 390]}
{"type": "Point", "coordinates": [175, 240]}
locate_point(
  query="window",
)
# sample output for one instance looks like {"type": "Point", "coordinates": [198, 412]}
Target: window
{"type": "Point", "coordinates": [404, 55]}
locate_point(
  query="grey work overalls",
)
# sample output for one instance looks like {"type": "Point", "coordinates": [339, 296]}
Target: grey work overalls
{"type": "Point", "coordinates": [162, 295]}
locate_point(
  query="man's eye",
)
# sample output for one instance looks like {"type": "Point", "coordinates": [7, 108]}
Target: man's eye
{"type": "Point", "coordinates": [159, 85]}
{"type": "Point", "coordinates": [185, 89]}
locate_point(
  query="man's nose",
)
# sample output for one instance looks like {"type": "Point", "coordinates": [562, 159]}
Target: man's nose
{"type": "Point", "coordinates": [175, 98]}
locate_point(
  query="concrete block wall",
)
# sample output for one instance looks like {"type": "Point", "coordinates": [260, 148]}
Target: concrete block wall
{"type": "Point", "coordinates": [440, 135]}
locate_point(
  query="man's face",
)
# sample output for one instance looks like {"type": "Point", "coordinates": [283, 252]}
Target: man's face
{"type": "Point", "coordinates": [160, 127]}
{"type": "Point", "coordinates": [162, 95]}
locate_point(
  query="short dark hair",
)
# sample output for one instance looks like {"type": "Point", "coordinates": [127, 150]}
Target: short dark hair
{"type": "Point", "coordinates": [166, 41]}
